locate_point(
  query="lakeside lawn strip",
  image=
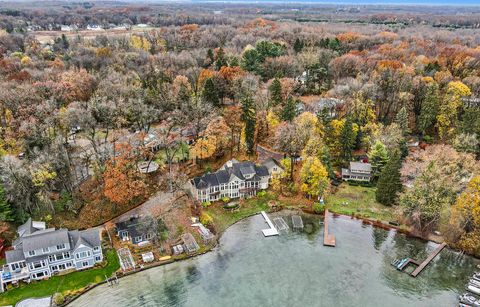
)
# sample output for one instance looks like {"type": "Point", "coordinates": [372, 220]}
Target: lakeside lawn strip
{"type": "Point", "coordinates": [223, 218]}
{"type": "Point", "coordinates": [64, 284]}
{"type": "Point", "coordinates": [359, 201]}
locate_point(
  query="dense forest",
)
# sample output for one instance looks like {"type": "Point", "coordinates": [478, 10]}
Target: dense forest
{"type": "Point", "coordinates": [75, 112]}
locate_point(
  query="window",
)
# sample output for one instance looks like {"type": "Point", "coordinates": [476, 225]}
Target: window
{"type": "Point", "coordinates": [97, 258]}
{"type": "Point", "coordinates": [51, 258]}
{"type": "Point", "coordinates": [37, 265]}
{"type": "Point", "coordinates": [149, 236]}
{"type": "Point", "coordinates": [61, 246]}
{"type": "Point", "coordinates": [46, 250]}
{"type": "Point", "coordinates": [31, 253]}
{"type": "Point", "coordinates": [69, 264]}
{"type": "Point", "coordinates": [138, 239]}
{"type": "Point", "coordinates": [96, 248]}
{"type": "Point", "coordinates": [39, 275]}
{"type": "Point", "coordinates": [85, 263]}
{"type": "Point", "coordinates": [83, 254]}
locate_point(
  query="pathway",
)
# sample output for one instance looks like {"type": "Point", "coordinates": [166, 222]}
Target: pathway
{"type": "Point", "coordinates": [35, 302]}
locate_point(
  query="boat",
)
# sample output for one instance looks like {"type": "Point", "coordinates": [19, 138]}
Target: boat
{"type": "Point", "coordinates": [463, 305]}
{"type": "Point", "coordinates": [475, 282]}
{"type": "Point", "coordinates": [476, 276]}
{"type": "Point", "coordinates": [401, 263]}
{"type": "Point", "coordinates": [473, 288]}
{"type": "Point", "coordinates": [467, 298]}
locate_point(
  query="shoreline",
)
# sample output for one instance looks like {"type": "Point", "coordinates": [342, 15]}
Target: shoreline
{"type": "Point", "coordinates": [220, 234]}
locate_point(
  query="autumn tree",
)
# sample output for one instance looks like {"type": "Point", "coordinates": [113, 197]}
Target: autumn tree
{"type": "Point", "coordinates": [314, 177]}
{"type": "Point", "coordinates": [122, 180]}
{"type": "Point", "coordinates": [464, 226]}
{"type": "Point", "coordinates": [448, 112]}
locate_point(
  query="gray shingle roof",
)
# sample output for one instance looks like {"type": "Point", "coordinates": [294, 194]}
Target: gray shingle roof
{"type": "Point", "coordinates": [89, 237]}
{"type": "Point", "coordinates": [239, 169]}
{"type": "Point", "coordinates": [45, 239]}
{"type": "Point", "coordinates": [360, 166]}
{"type": "Point", "coordinates": [14, 255]}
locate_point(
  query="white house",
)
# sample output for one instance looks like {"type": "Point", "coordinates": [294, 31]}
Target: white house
{"type": "Point", "coordinates": [234, 180]}
{"type": "Point", "coordinates": [40, 252]}
{"type": "Point", "coordinates": [357, 171]}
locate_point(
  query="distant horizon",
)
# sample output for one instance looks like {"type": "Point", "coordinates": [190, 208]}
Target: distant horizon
{"type": "Point", "coordinates": [459, 3]}
{"type": "Point", "coordinates": [449, 3]}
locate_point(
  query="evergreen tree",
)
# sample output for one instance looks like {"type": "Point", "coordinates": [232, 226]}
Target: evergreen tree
{"type": "Point", "coordinates": [429, 109]}
{"type": "Point", "coordinates": [347, 141]}
{"type": "Point", "coordinates": [210, 57]}
{"type": "Point", "coordinates": [249, 118]}
{"type": "Point", "coordinates": [298, 45]}
{"type": "Point", "coordinates": [5, 210]}
{"type": "Point", "coordinates": [402, 120]}
{"type": "Point", "coordinates": [220, 61]}
{"type": "Point", "coordinates": [389, 183]}
{"type": "Point", "coordinates": [275, 90]}
{"type": "Point", "coordinates": [378, 157]}
{"type": "Point", "coordinates": [289, 110]}
{"type": "Point", "coordinates": [209, 93]}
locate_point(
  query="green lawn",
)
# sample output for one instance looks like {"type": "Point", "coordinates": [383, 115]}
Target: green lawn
{"type": "Point", "coordinates": [67, 283]}
{"type": "Point", "coordinates": [224, 218]}
{"type": "Point", "coordinates": [358, 200]}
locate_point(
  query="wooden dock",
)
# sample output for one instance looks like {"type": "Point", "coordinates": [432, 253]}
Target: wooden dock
{"type": "Point", "coordinates": [328, 239]}
{"type": "Point", "coordinates": [428, 260]}
{"type": "Point", "coordinates": [272, 231]}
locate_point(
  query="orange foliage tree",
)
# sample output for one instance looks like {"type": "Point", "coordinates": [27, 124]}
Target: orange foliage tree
{"type": "Point", "coordinates": [122, 180]}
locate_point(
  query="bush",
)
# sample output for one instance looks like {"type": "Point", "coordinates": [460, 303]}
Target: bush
{"type": "Point", "coordinates": [58, 298]}
{"type": "Point", "coordinates": [262, 193]}
{"type": "Point", "coordinates": [427, 139]}
{"type": "Point", "coordinates": [225, 199]}
{"type": "Point", "coordinates": [206, 204]}
{"type": "Point", "coordinates": [206, 219]}
{"type": "Point", "coordinates": [318, 208]}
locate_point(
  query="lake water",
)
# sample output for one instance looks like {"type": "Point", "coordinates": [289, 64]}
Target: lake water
{"type": "Point", "coordinates": [295, 269]}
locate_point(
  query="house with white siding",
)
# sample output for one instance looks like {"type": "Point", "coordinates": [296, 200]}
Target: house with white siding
{"type": "Point", "coordinates": [233, 180]}
{"type": "Point", "coordinates": [357, 171]}
{"type": "Point", "coordinates": [41, 252]}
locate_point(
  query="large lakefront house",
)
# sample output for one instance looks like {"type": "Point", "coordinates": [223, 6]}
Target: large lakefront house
{"type": "Point", "coordinates": [233, 180]}
{"type": "Point", "coordinates": [357, 171]}
{"type": "Point", "coordinates": [40, 252]}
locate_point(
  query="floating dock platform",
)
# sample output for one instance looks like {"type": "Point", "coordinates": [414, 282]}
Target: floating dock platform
{"type": "Point", "coordinates": [297, 222]}
{"type": "Point", "coordinates": [328, 239]}
{"type": "Point", "coordinates": [280, 224]}
{"type": "Point", "coordinates": [272, 231]}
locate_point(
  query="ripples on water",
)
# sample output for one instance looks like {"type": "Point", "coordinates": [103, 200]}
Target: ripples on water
{"type": "Point", "coordinates": [295, 269]}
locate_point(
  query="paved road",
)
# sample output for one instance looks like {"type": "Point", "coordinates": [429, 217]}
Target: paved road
{"type": "Point", "coordinates": [159, 202]}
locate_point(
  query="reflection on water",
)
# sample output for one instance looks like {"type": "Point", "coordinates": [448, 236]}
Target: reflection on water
{"type": "Point", "coordinates": [295, 269]}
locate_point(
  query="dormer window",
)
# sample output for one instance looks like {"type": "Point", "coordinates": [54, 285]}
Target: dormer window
{"type": "Point", "coordinates": [31, 253]}
{"type": "Point", "coordinates": [46, 250]}
{"type": "Point", "coordinates": [61, 246]}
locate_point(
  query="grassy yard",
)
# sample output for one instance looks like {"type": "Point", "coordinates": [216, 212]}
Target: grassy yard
{"type": "Point", "coordinates": [65, 284]}
{"type": "Point", "coordinates": [224, 218]}
{"type": "Point", "coordinates": [358, 200]}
